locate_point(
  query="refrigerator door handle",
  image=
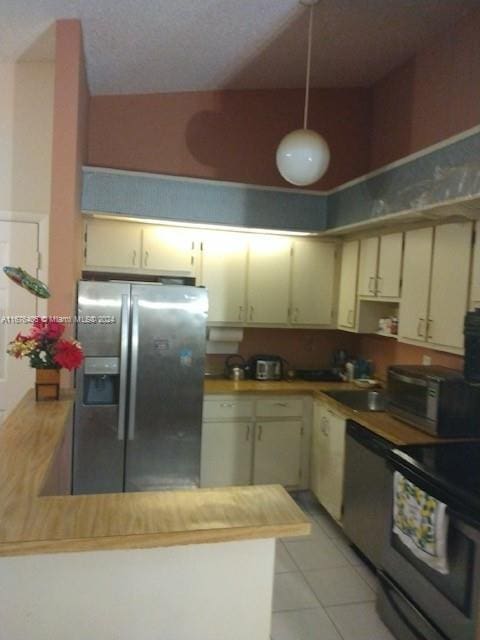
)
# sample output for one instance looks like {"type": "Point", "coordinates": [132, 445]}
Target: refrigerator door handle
{"type": "Point", "coordinates": [133, 369]}
{"type": "Point", "coordinates": [122, 400]}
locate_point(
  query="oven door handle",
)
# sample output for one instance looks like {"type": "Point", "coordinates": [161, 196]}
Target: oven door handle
{"type": "Point", "coordinates": [388, 589]}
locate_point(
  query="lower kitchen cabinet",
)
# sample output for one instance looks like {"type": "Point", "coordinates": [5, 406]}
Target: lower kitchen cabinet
{"type": "Point", "coordinates": [226, 453]}
{"type": "Point", "coordinates": [277, 457]}
{"type": "Point", "coordinates": [255, 440]}
{"type": "Point", "coordinates": [328, 458]}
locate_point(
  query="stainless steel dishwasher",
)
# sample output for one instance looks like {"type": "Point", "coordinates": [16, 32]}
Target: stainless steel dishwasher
{"type": "Point", "coordinates": [365, 514]}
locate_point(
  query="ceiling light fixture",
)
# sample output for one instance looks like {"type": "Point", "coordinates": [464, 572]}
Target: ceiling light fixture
{"type": "Point", "coordinates": [303, 155]}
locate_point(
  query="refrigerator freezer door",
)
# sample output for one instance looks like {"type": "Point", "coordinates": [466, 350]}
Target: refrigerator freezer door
{"type": "Point", "coordinates": [167, 372]}
{"type": "Point", "coordinates": [99, 431]}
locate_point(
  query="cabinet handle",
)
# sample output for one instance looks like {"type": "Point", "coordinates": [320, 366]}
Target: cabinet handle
{"type": "Point", "coordinates": [280, 404]}
{"type": "Point", "coordinates": [296, 314]}
{"type": "Point", "coordinates": [429, 326]}
{"type": "Point", "coordinates": [247, 434]}
{"type": "Point", "coordinates": [146, 258]}
{"type": "Point", "coordinates": [240, 312]}
{"type": "Point", "coordinates": [259, 432]}
{"type": "Point", "coordinates": [134, 257]}
{"type": "Point", "coordinates": [420, 325]}
{"type": "Point", "coordinates": [350, 317]}
{"type": "Point", "coordinates": [227, 404]}
{"type": "Point", "coordinates": [378, 288]}
{"type": "Point", "coordinates": [371, 287]}
{"type": "Point", "coordinates": [251, 312]}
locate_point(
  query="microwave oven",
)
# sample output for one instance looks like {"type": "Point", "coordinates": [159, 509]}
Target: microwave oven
{"type": "Point", "coordinates": [435, 399]}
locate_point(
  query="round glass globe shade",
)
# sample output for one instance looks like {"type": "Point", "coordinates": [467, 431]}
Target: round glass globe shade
{"type": "Point", "coordinates": [303, 157]}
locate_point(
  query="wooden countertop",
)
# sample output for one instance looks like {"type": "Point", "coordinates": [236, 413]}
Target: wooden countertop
{"type": "Point", "coordinates": [31, 523]}
{"type": "Point", "coordinates": [379, 422]}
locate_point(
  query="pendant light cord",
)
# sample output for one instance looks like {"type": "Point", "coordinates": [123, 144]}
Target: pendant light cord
{"type": "Point", "coordinates": [309, 59]}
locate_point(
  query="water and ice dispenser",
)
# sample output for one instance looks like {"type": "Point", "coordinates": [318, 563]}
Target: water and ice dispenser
{"type": "Point", "coordinates": [101, 378]}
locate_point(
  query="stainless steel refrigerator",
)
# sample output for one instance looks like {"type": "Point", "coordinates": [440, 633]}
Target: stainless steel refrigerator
{"type": "Point", "coordinates": [138, 410]}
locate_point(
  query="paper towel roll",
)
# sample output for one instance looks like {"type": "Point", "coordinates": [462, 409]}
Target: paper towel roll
{"type": "Point", "coordinates": [225, 334]}
{"type": "Point", "coordinates": [222, 348]}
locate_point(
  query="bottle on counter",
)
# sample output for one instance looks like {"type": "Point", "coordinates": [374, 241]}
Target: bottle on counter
{"type": "Point", "coordinates": [350, 371]}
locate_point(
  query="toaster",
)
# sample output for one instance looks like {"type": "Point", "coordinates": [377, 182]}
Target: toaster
{"type": "Point", "coordinates": [265, 367]}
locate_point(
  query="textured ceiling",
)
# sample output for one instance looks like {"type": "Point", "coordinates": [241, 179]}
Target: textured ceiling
{"type": "Point", "coordinates": [144, 46]}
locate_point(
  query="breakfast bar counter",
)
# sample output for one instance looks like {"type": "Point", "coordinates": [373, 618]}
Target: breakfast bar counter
{"type": "Point", "coordinates": [166, 564]}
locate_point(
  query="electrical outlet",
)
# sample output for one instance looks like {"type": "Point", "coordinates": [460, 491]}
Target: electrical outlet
{"type": "Point", "coordinates": [426, 360]}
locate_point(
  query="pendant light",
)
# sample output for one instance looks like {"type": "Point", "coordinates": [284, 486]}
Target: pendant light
{"type": "Point", "coordinates": [303, 155]}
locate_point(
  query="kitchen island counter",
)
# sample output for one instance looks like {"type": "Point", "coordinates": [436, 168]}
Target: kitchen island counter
{"type": "Point", "coordinates": [164, 564]}
{"type": "Point", "coordinates": [31, 442]}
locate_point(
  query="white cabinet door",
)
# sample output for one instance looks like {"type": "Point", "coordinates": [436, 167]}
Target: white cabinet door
{"type": "Point", "coordinates": [169, 249]}
{"type": "Point", "coordinates": [226, 457]}
{"type": "Point", "coordinates": [268, 280]}
{"type": "Point", "coordinates": [449, 288]}
{"type": "Point", "coordinates": [367, 266]}
{"type": "Point", "coordinates": [412, 321]}
{"type": "Point", "coordinates": [475, 291]}
{"type": "Point", "coordinates": [348, 284]}
{"type": "Point", "coordinates": [389, 265]}
{"type": "Point", "coordinates": [224, 272]}
{"type": "Point", "coordinates": [313, 278]}
{"type": "Point", "coordinates": [112, 244]}
{"type": "Point", "coordinates": [328, 458]}
{"type": "Point", "coordinates": [277, 457]}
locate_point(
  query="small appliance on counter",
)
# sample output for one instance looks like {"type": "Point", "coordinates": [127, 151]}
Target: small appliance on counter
{"type": "Point", "coordinates": [235, 367]}
{"type": "Point", "coordinates": [435, 399]}
{"type": "Point", "coordinates": [266, 367]}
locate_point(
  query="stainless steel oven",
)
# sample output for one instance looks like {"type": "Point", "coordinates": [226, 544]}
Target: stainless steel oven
{"type": "Point", "coordinates": [415, 601]}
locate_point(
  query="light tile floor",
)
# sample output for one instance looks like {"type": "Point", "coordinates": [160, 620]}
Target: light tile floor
{"type": "Point", "coordinates": [323, 590]}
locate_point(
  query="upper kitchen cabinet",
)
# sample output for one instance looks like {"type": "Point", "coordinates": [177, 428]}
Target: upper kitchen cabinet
{"type": "Point", "coordinates": [380, 266]}
{"type": "Point", "coordinates": [110, 244]}
{"type": "Point", "coordinates": [224, 268]}
{"type": "Point", "coordinates": [449, 292]}
{"type": "Point", "coordinates": [416, 284]}
{"type": "Point", "coordinates": [475, 291]}
{"type": "Point", "coordinates": [169, 250]}
{"type": "Point", "coordinates": [313, 281]}
{"type": "Point", "coordinates": [435, 285]}
{"type": "Point", "coordinates": [268, 280]}
{"type": "Point", "coordinates": [348, 285]}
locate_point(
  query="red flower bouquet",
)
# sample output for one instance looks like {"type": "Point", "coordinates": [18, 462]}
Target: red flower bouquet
{"type": "Point", "coordinates": [45, 347]}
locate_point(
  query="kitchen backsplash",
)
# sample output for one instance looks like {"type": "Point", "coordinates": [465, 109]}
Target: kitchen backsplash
{"type": "Point", "coordinates": [301, 348]}
{"type": "Point", "coordinates": [314, 348]}
{"type": "Point", "coordinates": [386, 351]}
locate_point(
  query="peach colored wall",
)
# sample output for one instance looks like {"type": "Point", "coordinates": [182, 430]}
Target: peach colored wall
{"type": "Point", "coordinates": [432, 97]}
{"type": "Point", "coordinates": [302, 348]}
{"type": "Point", "coordinates": [226, 135]}
{"type": "Point", "coordinates": [314, 348]}
{"type": "Point", "coordinates": [69, 153]}
{"type": "Point", "coordinates": [386, 351]}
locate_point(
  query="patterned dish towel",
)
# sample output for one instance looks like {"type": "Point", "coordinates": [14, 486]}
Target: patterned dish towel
{"type": "Point", "coordinates": [421, 523]}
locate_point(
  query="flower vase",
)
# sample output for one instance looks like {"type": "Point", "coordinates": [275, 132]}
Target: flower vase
{"type": "Point", "coordinates": [47, 384]}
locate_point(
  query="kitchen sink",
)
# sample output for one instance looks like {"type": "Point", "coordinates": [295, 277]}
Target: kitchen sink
{"type": "Point", "coordinates": [362, 400]}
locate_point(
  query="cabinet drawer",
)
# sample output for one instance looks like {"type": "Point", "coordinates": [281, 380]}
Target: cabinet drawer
{"type": "Point", "coordinates": [279, 406]}
{"type": "Point", "coordinates": [221, 409]}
